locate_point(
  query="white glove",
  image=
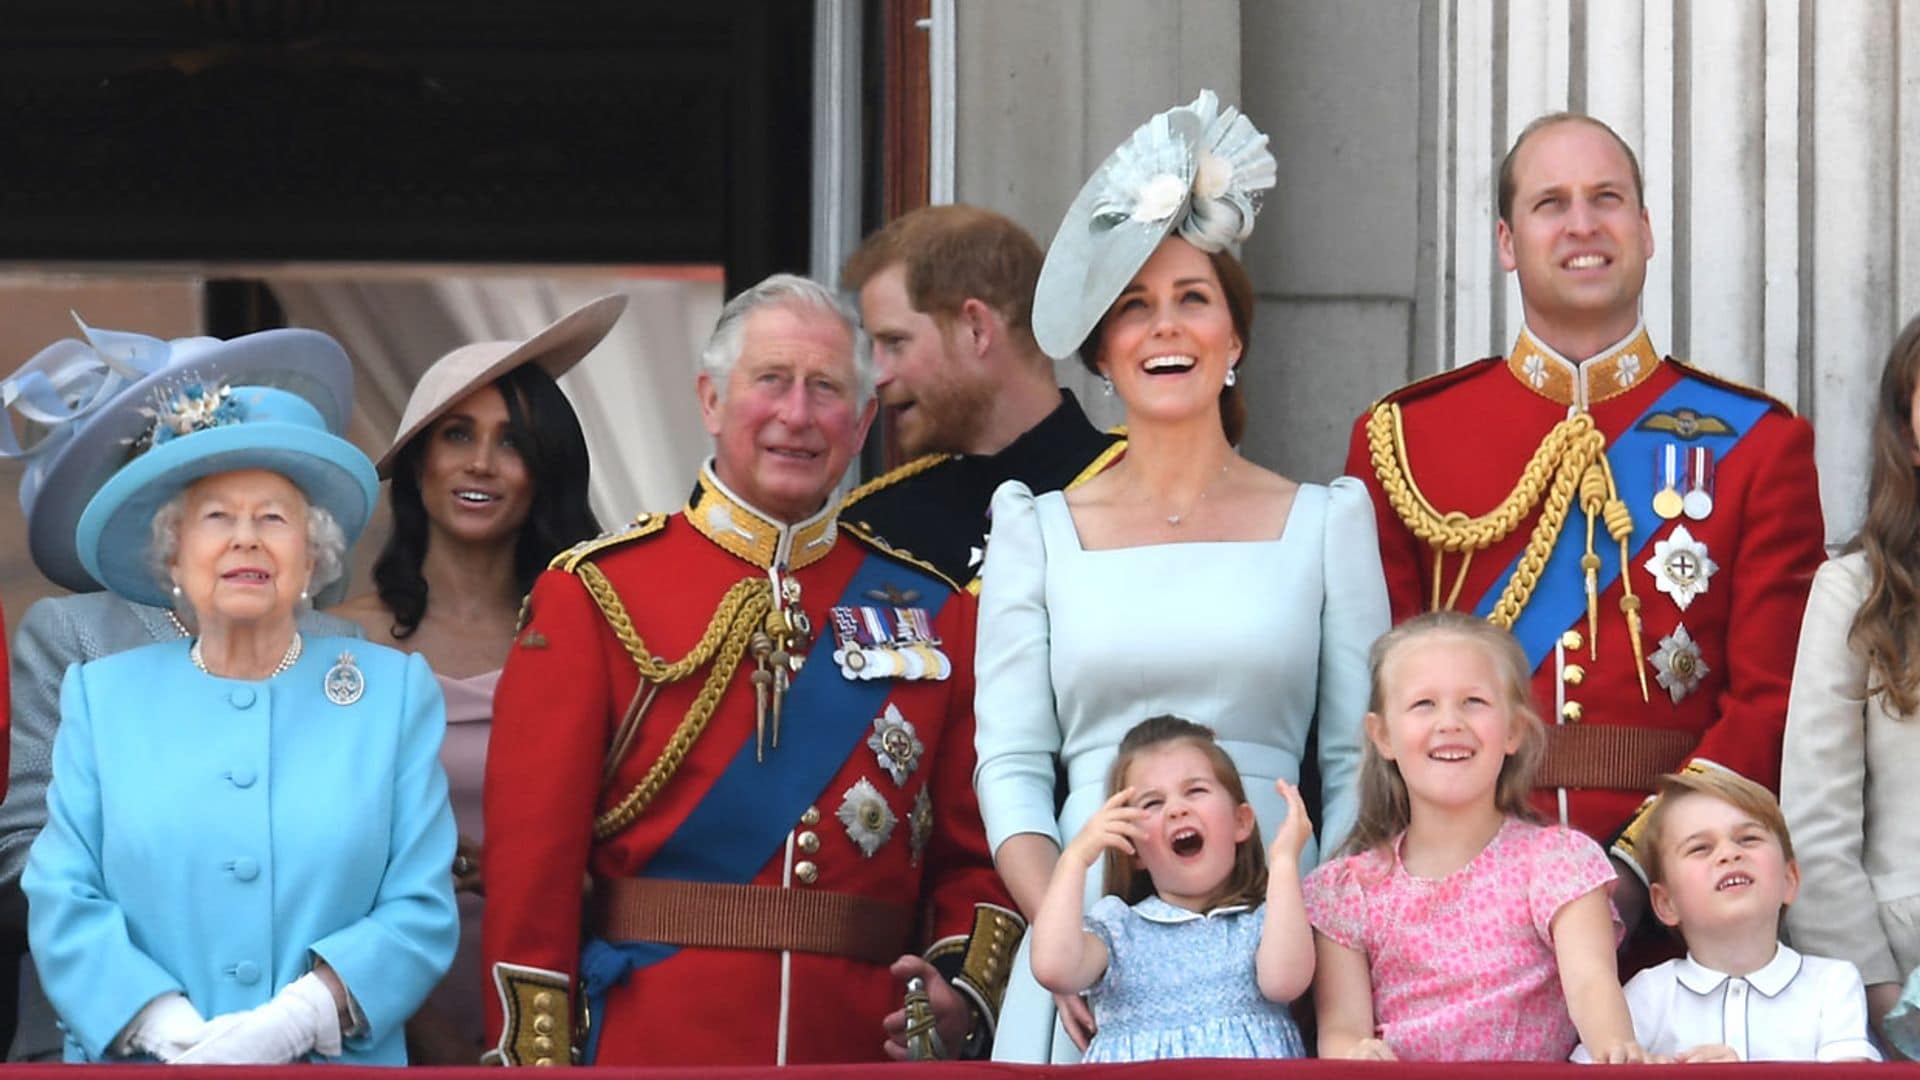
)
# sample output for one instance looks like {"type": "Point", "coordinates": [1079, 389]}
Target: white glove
{"type": "Point", "coordinates": [165, 1027]}
{"type": "Point", "coordinates": [302, 1017]}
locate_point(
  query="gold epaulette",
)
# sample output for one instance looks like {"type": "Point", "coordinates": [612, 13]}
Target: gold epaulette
{"type": "Point", "coordinates": [1737, 387]}
{"type": "Point", "coordinates": [1427, 384]}
{"type": "Point", "coordinates": [643, 526]}
{"type": "Point", "coordinates": [1105, 458]}
{"type": "Point", "coordinates": [895, 475]}
{"type": "Point", "coordinates": [866, 537]}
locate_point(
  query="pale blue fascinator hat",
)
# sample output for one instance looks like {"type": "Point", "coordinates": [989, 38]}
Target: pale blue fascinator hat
{"type": "Point", "coordinates": [84, 403]}
{"type": "Point", "coordinates": [1197, 169]}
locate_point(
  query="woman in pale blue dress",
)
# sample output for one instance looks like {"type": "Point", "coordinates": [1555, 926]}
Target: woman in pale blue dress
{"type": "Point", "coordinates": [1184, 579]}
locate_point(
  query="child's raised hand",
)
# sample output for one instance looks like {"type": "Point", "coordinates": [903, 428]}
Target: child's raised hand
{"type": "Point", "coordinates": [1116, 826]}
{"type": "Point", "coordinates": [1291, 835]}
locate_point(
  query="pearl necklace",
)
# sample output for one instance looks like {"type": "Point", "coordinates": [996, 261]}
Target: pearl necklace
{"type": "Point", "coordinates": [286, 661]}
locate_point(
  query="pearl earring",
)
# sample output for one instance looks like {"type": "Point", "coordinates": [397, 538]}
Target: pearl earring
{"type": "Point", "coordinates": [176, 592]}
{"type": "Point", "coordinates": [1233, 376]}
{"type": "Point", "coordinates": [1106, 385]}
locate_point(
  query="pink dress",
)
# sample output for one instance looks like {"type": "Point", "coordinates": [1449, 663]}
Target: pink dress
{"type": "Point", "coordinates": [1463, 966]}
{"type": "Point", "coordinates": [464, 755]}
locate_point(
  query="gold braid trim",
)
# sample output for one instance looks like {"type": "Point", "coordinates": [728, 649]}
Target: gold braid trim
{"type": "Point", "coordinates": [1553, 473]}
{"type": "Point", "coordinates": [741, 612]}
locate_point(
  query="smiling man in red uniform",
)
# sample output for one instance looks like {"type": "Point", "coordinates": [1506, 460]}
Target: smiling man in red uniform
{"type": "Point", "coordinates": [1519, 486]}
{"type": "Point", "coordinates": [753, 735]}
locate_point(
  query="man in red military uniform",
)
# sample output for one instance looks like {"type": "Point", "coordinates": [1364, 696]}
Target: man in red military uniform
{"type": "Point", "coordinates": [1520, 486]}
{"type": "Point", "coordinates": [752, 734]}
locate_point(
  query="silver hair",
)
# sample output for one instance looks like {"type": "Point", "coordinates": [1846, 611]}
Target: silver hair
{"type": "Point", "coordinates": [326, 543]}
{"type": "Point", "coordinates": [722, 349]}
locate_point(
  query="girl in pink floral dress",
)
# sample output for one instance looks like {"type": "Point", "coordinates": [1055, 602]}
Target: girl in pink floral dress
{"type": "Point", "coordinates": [1455, 927]}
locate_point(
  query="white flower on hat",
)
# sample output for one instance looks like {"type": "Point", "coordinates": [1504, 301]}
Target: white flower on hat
{"type": "Point", "coordinates": [1160, 198]}
{"type": "Point", "coordinates": [1210, 180]}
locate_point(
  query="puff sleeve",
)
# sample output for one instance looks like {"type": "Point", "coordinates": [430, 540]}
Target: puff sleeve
{"type": "Point", "coordinates": [1017, 727]}
{"type": "Point", "coordinates": [1354, 611]}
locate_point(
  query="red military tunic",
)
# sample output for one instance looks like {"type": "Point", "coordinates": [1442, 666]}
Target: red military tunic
{"type": "Point", "coordinates": [1469, 434]}
{"type": "Point", "coordinates": [567, 684]}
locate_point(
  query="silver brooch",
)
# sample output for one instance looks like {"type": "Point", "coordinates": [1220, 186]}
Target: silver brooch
{"type": "Point", "coordinates": [344, 683]}
{"type": "Point", "coordinates": [920, 824]}
{"type": "Point", "coordinates": [869, 821]}
{"type": "Point", "coordinates": [1677, 664]}
{"type": "Point", "coordinates": [895, 744]}
{"type": "Point", "coordinates": [1680, 566]}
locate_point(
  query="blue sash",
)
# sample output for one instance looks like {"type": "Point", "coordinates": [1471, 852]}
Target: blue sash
{"type": "Point", "coordinates": [745, 816]}
{"type": "Point", "coordinates": [1560, 597]}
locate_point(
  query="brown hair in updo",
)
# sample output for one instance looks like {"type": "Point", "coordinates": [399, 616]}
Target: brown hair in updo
{"type": "Point", "coordinates": [1238, 289]}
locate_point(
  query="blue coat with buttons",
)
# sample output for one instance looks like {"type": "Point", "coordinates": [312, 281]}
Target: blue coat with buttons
{"type": "Point", "coordinates": [215, 837]}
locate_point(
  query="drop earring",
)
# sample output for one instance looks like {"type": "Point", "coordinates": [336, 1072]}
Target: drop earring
{"type": "Point", "coordinates": [1233, 375]}
{"type": "Point", "coordinates": [1106, 385]}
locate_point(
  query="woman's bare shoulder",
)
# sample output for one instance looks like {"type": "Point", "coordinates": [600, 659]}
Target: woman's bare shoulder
{"type": "Point", "coordinates": [369, 613]}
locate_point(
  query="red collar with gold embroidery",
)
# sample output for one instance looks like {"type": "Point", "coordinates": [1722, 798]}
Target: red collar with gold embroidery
{"type": "Point", "coordinates": [729, 521]}
{"type": "Point", "coordinates": [1584, 384]}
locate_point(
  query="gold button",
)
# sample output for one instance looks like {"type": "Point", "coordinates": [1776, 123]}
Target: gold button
{"type": "Point", "coordinates": [543, 1000]}
{"type": "Point", "coordinates": [542, 1044]}
{"type": "Point", "coordinates": [543, 1061]}
{"type": "Point", "coordinates": [1571, 640]}
{"type": "Point", "coordinates": [810, 816]}
{"type": "Point", "coordinates": [1573, 711]}
{"type": "Point", "coordinates": [809, 842]}
{"type": "Point", "coordinates": [1574, 675]}
{"type": "Point", "coordinates": [543, 1025]}
{"type": "Point", "coordinates": [806, 872]}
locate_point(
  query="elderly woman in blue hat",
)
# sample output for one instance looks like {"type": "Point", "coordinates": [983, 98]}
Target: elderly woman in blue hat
{"type": "Point", "coordinates": [1185, 579]}
{"type": "Point", "coordinates": [246, 851]}
{"type": "Point", "coordinates": [80, 403]}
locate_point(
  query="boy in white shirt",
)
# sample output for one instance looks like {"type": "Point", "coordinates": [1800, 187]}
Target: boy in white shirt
{"type": "Point", "coordinates": [1721, 869]}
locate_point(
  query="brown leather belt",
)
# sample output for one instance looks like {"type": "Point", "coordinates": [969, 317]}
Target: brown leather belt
{"type": "Point", "coordinates": [1610, 756]}
{"type": "Point", "coordinates": [705, 915]}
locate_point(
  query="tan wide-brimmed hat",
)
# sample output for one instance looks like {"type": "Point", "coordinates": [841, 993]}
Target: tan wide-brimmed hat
{"type": "Point", "coordinates": [459, 373]}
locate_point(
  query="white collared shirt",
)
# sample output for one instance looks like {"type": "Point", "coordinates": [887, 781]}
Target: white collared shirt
{"type": "Point", "coordinates": [1796, 1008]}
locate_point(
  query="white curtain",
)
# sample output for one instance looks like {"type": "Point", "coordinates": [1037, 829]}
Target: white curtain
{"type": "Point", "coordinates": [634, 393]}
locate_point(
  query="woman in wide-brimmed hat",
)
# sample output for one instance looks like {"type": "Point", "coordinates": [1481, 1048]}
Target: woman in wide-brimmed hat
{"type": "Point", "coordinates": [487, 481]}
{"type": "Point", "coordinates": [1185, 579]}
{"type": "Point", "coordinates": [245, 857]}
{"type": "Point", "coordinates": [80, 403]}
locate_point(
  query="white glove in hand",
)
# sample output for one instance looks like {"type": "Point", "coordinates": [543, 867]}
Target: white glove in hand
{"type": "Point", "coordinates": [300, 1018]}
{"type": "Point", "coordinates": [165, 1027]}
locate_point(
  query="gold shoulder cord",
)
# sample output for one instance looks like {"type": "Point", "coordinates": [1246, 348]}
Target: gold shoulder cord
{"type": "Point", "coordinates": [1571, 461]}
{"type": "Point", "coordinates": [742, 611]}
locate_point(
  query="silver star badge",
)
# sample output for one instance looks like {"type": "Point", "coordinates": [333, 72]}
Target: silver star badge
{"type": "Point", "coordinates": [895, 744]}
{"type": "Point", "coordinates": [869, 821]}
{"type": "Point", "coordinates": [1677, 664]}
{"type": "Point", "coordinates": [1680, 566]}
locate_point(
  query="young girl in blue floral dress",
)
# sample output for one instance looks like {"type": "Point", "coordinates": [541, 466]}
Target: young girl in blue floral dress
{"type": "Point", "coordinates": [1197, 947]}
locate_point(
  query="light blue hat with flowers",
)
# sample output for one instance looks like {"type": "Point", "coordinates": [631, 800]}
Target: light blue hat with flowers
{"type": "Point", "coordinates": [84, 403]}
{"type": "Point", "coordinates": [1197, 169]}
{"type": "Point", "coordinates": [197, 429]}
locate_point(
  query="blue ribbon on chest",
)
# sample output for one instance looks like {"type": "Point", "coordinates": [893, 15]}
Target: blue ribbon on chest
{"type": "Point", "coordinates": [744, 818]}
{"type": "Point", "coordinates": [1560, 597]}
